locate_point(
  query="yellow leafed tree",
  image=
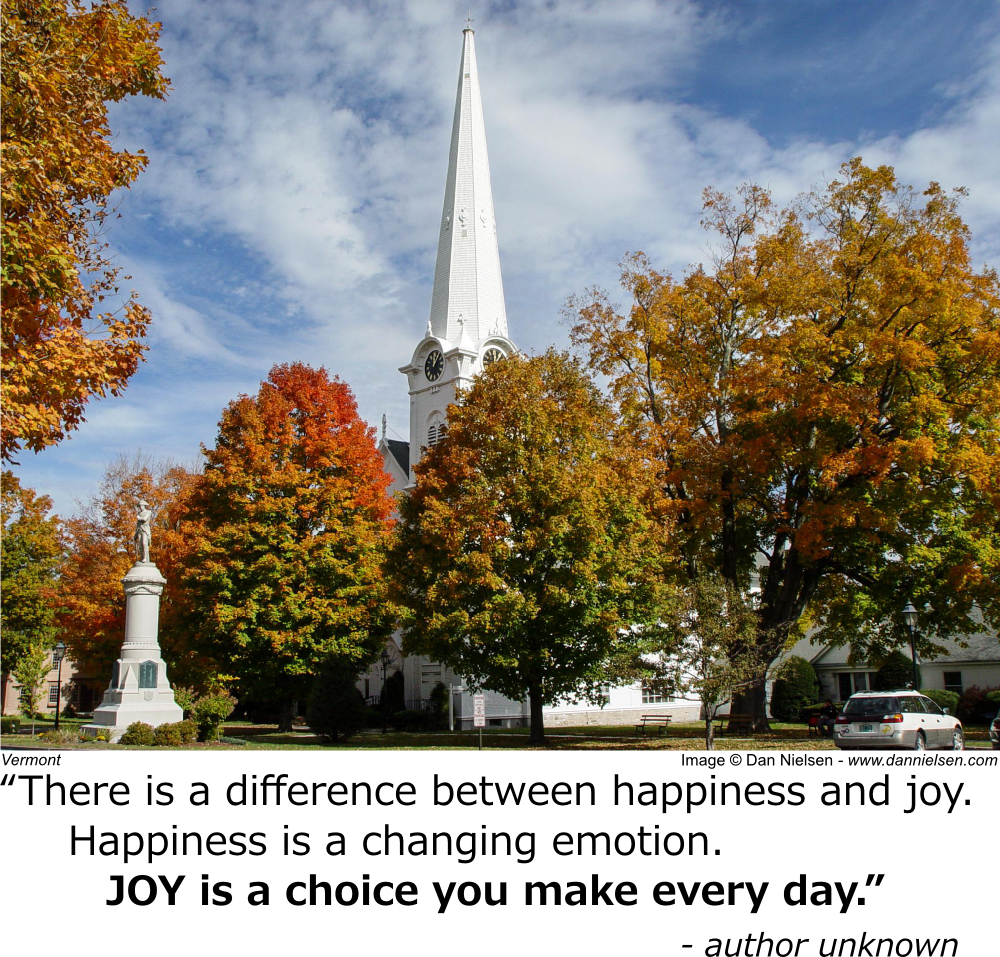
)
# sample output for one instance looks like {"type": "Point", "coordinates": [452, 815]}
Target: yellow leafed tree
{"type": "Point", "coordinates": [65, 337]}
{"type": "Point", "coordinates": [821, 404]}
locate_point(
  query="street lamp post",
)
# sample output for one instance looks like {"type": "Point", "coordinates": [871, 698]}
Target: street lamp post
{"type": "Point", "coordinates": [452, 691]}
{"type": "Point", "coordinates": [910, 615]}
{"type": "Point", "coordinates": [58, 653]}
{"type": "Point", "coordinates": [385, 669]}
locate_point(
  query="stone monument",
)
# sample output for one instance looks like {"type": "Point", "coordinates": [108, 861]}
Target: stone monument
{"type": "Point", "coordinates": [139, 690]}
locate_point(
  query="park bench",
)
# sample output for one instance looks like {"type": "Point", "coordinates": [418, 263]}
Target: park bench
{"type": "Point", "coordinates": [658, 721]}
{"type": "Point", "coordinates": [733, 721]}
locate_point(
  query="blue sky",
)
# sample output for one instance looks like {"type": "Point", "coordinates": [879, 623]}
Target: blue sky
{"type": "Point", "coordinates": [291, 204]}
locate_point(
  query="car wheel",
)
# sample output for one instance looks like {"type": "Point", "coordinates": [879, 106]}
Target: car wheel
{"type": "Point", "coordinates": [920, 742]}
{"type": "Point", "coordinates": [957, 740]}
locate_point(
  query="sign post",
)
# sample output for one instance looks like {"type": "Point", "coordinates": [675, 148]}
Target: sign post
{"type": "Point", "coordinates": [479, 715]}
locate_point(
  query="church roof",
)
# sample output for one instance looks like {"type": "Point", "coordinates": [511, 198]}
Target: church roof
{"type": "Point", "coordinates": [401, 453]}
{"type": "Point", "coordinates": [468, 290]}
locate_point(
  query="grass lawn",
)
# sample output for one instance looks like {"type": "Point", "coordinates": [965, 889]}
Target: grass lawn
{"type": "Point", "coordinates": [679, 737]}
{"type": "Point", "coordinates": [682, 737]}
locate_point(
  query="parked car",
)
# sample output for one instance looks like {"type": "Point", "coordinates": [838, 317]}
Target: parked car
{"type": "Point", "coordinates": [995, 732]}
{"type": "Point", "coordinates": [896, 719]}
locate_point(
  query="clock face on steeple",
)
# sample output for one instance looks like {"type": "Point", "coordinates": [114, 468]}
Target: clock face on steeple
{"type": "Point", "coordinates": [434, 366]}
{"type": "Point", "coordinates": [491, 356]}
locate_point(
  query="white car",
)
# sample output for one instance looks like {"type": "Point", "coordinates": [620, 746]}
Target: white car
{"type": "Point", "coordinates": [896, 719]}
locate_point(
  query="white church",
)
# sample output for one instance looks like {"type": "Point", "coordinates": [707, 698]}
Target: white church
{"type": "Point", "coordinates": [467, 331]}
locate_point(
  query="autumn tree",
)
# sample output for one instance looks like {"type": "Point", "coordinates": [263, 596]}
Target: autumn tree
{"type": "Point", "coordinates": [30, 551]}
{"type": "Point", "coordinates": [821, 403]}
{"type": "Point", "coordinates": [293, 522]}
{"type": "Point", "coordinates": [100, 551]}
{"type": "Point", "coordinates": [520, 555]}
{"type": "Point", "coordinates": [62, 63]}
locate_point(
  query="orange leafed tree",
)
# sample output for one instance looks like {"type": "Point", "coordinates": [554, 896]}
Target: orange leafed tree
{"type": "Point", "coordinates": [821, 402]}
{"type": "Point", "coordinates": [293, 520]}
{"type": "Point", "coordinates": [63, 341]}
{"type": "Point", "coordinates": [100, 551]}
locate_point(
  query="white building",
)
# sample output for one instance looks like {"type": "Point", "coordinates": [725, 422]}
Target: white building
{"type": "Point", "coordinates": [466, 331]}
{"type": "Point", "coordinates": [973, 661]}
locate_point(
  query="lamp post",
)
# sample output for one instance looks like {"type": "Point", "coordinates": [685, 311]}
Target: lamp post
{"type": "Point", "coordinates": [910, 615]}
{"type": "Point", "coordinates": [385, 669]}
{"type": "Point", "coordinates": [452, 691]}
{"type": "Point", "coordinates": [58, 653]}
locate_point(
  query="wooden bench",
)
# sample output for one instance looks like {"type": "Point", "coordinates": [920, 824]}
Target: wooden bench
{"type": "Point", "coordinates": [658, 721]}
{"type": "Point", "coordinates": [733, 719]}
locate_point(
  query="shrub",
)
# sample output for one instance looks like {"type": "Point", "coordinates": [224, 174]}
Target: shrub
{"type": "Point", "coordinates": [993, 700]}
{"type": "Point", "coordinates": [138, 732]}
{"type": "Point", "coordinates": [185, 698]}
{"type": "Point", "coordinates": [62, 736]}
{"type": "Point", "coordinates": [175, 734]}
{"type": "Point", "coordinates": [209, 711]}
{"type": "Point", "coordinates": [10, 724]}
{"type": "Point", "coordinates": [943, 699]}
{"type": "Point", "coordinates": [374, 717]}
{"type": "Point", "coordinates": [795, 688]}
{"type": "Point", "coordinates": [336, 709]}
{"type": "Point", "coordinates": [974, 707]}
{"type": "Point", "coordinates": [226, 739]}
{"type": "Point", "coordinates": [412, 720]}
{"type": "Point", "coordinates": [895, 672]}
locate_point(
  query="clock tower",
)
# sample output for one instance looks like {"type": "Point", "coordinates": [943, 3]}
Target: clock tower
{"type": "Point", "coordinates": [467, 328]}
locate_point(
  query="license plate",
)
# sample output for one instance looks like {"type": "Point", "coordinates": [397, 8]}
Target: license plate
{"type": "Point", "coordinates": [866, 727]}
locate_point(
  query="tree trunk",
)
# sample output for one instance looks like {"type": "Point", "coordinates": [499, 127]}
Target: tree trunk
{"type": "Point", "coordinates": [537, 735]}
{"type": "Point", "coordinates": [753, 703]}
{"type": "Point", "coordinates": [287, 715]}
{"type": "Point", "coordinates": [709, 734]}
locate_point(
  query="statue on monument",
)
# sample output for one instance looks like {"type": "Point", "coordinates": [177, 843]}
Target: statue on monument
{"type": "Point", "coordinates": [143, 532]}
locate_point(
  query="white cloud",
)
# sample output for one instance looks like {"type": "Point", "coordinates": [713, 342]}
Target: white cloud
{"type": "Point", "coordinates": [297, 171]}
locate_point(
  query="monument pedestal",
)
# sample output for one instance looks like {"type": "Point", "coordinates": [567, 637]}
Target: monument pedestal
{"type": "Point", "coordinates": [139, 690]}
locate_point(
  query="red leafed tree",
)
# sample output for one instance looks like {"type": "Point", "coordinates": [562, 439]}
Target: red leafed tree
{"type": "Point", "coordinates": [293, 518]}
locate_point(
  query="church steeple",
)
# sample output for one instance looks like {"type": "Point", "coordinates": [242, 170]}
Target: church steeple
{"type": "Point", "coordinates": [468, 291]}
{"type": "Point", "coordinates": [467, 328]}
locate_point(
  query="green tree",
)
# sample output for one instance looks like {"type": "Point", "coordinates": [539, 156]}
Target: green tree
{"type": "Point", "coordinates": [702, 646]}
{"type": "Point", "coordinates": [30, 551]}
{"type": "Point", "coordinates": [63, 62]}
{"type": "Point", "coordinates": [520, 557]}
{"type": "Point", "coordinates": [30, 673]}
{"type": "Point", "coordinates": [291, 525]}
{"type": "Point", "coordinates": [822, 396]}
